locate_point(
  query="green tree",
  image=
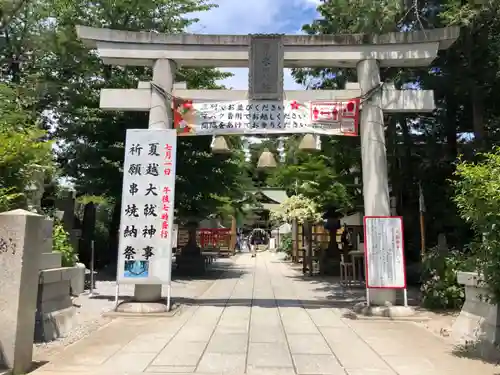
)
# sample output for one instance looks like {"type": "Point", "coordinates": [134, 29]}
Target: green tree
{"type": "Point", "coordinates": [22, 152]}
{"type": "Point", "coordinates": [478, 202]}
{"type": "Point", "coordinates": [41, 54]}
{"type": "Point", "coordinates": [91, 141]}
{"type": "Point", "coordinates": [421, 149]}
{"type": "Point", "coordinates": [317, 175]}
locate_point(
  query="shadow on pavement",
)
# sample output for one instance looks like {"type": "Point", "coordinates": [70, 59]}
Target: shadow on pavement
{"type": "Point", "coordinates": [475, 351]}
{"type": "Point", "coordinates": [221, 269]}
{"type": "Point", "coordinates": [36, 365]}
{"type": "Point", "coordinates": [267, 303]}
{"type": "Point", "coordinates": [333, 290]}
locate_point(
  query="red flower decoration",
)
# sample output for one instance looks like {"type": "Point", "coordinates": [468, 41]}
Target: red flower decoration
{"type": "Point", "coordinates": [188, 104]}
{"type": "Point", "coordinates": [295, 105]}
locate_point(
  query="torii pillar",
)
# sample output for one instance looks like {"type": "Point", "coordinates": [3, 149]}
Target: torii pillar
{"type": "Point", "coordinates": [366, 53]}
{"type": "Point", "coordinates": [160, 117]}
{"type": "Point", "coordinates": [374, 159]}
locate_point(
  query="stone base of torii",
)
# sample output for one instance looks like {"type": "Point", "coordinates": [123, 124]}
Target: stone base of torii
{"type": "Point", "coordinates": [366, 53]}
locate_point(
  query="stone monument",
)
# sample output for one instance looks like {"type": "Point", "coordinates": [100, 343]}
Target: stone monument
{"type": "Point", "coordinates": [19, 261]}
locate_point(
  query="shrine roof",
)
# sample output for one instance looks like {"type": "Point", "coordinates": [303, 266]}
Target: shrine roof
{"type": "Point", "coordinates": [276, 196]}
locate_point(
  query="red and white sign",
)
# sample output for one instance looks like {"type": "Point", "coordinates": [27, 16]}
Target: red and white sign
{"type": "Point", "coordinates": [342, 113]}
{"type": "Point", "coordinates": [214, 237]}
{"type": "Point", "coordinates": [384, 252]}
{"type": "Point", "coordinates": [266, 117]}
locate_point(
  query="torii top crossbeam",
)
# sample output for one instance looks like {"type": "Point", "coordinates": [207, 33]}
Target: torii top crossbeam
{"type": "Point", "coordinates": [409, 49]}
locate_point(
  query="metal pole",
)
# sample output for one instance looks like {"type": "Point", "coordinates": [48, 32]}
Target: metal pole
{"type": "Point", "coordinates": [117, 293]}
{"type": "Point", "coordinates": [421, 209]}
{"type": "Point", "coordinates": [91, 268]}
{"type": "Point", "coordinates": [405, 297]}
{"type": "Point", "coordinates": [169, 292]}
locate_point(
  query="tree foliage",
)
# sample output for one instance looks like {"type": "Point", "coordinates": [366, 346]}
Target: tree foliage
{"type": "Point", "coordinates": [23, 153]}
{"type": "Point", "coordinates": [60, 80]}
{"type": "Point", "coordinates": [322, 176]}
{"type": "Point", "coordinates": [421, 149]}
{"type": "Point", "coordinates": [477, 188]}
{"type": "Point", "coordinates": [90, 141]}
{"type": "Point", "coordinates": [299, 208]}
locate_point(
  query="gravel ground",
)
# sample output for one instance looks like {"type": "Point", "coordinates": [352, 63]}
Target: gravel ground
{"type": "Point", "coordinates": [89, 310]}
{"type": "Point", "coordinates": [88, 318]}
{"type": "Point", "coordinates": [441, 323]}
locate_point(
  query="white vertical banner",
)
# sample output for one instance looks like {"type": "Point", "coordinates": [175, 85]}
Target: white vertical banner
{"type": "Point", "coordinates": [145, 247]}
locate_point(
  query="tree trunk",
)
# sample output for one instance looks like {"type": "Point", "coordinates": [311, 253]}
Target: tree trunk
{"type": "Point", "coordinates": [478, 115]}
{"type": "Point", "coordinates": [476, 91]}
{"type": "Point", "coordinates": [232, 246]}
{"type": "Point", "coordinates": [451, 128]}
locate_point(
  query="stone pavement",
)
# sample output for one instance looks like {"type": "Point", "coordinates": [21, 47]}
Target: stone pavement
{"type": "Point", "coordinates": [261, 317]}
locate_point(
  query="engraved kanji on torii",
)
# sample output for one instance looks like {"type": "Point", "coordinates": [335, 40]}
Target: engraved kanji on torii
{"type": "Point", "coordinates": [266, 56]}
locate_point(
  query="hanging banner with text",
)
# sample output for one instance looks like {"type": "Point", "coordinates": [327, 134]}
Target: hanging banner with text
{"type": "Point", "coordinates": [146, 239]}
{"type": "Point", "coordinates": [266, 117]}
{"type": "Point", "coordinates": [384, 252]}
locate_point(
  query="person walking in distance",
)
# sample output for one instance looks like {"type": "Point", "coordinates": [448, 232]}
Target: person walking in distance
{"type": "Point", "coordinates": [253, 243]}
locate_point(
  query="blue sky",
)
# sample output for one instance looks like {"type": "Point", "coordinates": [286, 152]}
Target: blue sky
{"type": "Point", "coordinates": [256, 16]}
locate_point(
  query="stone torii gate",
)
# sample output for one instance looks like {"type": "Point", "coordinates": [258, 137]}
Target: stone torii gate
{"type": "Point", "coordinates": [266, 56]}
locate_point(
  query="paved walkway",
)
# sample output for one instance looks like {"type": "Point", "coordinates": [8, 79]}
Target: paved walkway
{"type": "Point", "coordinates": [262, 318]}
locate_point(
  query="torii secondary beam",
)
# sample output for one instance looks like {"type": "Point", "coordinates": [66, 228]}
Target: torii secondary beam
{"type": "Point", "coordinates": [393, 101]}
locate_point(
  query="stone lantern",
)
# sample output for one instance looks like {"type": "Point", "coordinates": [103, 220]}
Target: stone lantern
{"type": "Point", "coordinates": [35, 189]}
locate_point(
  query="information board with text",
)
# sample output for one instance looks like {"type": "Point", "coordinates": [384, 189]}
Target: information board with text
{"type": "Point", "coordinates": [384, 252]}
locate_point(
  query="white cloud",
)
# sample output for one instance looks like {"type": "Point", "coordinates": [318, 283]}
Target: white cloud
{"type": "Point", "coordinates": [241, 17]}
{"type": "Point", "coordinates": [252, 17]}
{"type": "Point", "coordinates": [313, 3]}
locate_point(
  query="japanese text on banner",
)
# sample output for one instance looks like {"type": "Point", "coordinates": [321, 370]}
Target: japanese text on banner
{"type": "Point", "coordinates": [145, 252]}
{"type": "Point", "coordinates": [267, 117]}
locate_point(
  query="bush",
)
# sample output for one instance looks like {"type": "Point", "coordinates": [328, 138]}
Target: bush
{"type": "Point", "coordinates": [477, 197]}
{"type": "Point", "coordinates": [61, 244]}
{"type": "Point", "coordinates": [286, 243]}
{"type": "Point", "coordinates": [440, 289]}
